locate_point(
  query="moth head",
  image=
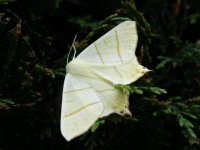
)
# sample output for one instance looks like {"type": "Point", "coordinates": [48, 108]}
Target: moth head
{"type": "Point", "coordinates": [77, 67]}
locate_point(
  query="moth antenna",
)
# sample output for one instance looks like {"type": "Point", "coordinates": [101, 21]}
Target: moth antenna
{"type": "Point", "coordinates": [68, 55]}
{"type": "Point", "coordinates": [72, 46]}
{"type": "Point", "coordinates": [74, 51]}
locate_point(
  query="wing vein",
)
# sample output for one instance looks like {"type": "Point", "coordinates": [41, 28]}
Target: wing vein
{"type": "Point", "coordinates": [119, 73]}
{"type": "Point", "coordinates": [106, 90]}
{"type": "Point", "coordinates": [76, 90]}
{"type": "Point", "coordinates": [72, 113]}
{"type": "Point", "coordinates": [118, 50]}
{"type": "Point", "coordinates": [99, 54]}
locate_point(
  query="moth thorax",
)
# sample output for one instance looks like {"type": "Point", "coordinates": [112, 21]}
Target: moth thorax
{"type": "Point", "coordinates": [76, 66]}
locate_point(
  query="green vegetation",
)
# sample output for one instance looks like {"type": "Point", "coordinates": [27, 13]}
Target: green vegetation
{"type": "Point", "coordinates": [35, 37]}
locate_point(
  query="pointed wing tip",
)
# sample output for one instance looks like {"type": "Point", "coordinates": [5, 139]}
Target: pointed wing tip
{"type": "Point", "coordinates": [127, 112]}
{"type": "Point", "coordinates": [74, 132]}
{"type": "Point", "coordinates": [68, 137]}
{"type": "Point", "coordinates": [66, 134]}
{"type": "Point", "coordinates": [148, 70]}
{"type": "Point", "coordinates": [128, 22]}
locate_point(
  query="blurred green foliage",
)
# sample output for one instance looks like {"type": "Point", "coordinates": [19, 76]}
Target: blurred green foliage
{"type": "Point", "coordinates": [35, 37]}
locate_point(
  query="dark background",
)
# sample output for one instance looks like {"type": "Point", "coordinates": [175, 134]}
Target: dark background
{"type": "Point", "coordinates": [35, 36]}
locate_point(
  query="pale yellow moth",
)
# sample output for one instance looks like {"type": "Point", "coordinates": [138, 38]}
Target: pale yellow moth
{"type": "Point", "coordinates": [89, 92]}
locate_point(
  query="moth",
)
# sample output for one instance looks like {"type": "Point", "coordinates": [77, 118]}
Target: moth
{"type": "Point", "coordinates": [89, 91]}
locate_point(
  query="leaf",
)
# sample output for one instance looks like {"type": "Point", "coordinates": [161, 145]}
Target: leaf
{"type": "Point", "coordinates": [176, 98]}
{"type": "Point", "coordinates": [96, 125]}
{"type": "Point", "coordinates": [57, 72]}
{"type": "Point", "coordinates": [183, 122]}
{"type": "Point", "coordinates": [189, 114]}
{"type": "Point", "coordinates": [128, 89]}
{"type": "Point", "coordinates": [124, 88]}
{"type": "Point", "coordinates": [154, 90]}
{"type": "Point", "coordinates": [121, 18]}
{"type": "Point", "coordinates": [157, 90]}
{"type": "Point", "coordinates": [191, 133]}
{"type": "Point", "coordinates": [164, 61]}
{"type": "Point", "coordinates": [6, 1]}
{"type": "Point", "coordinates": [7, 101]}
{"type": "Point", "coordinates": [136, 90]}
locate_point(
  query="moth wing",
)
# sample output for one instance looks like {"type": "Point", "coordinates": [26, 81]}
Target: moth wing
{"type": "Point", "coordinates": [121, 74]}
{"type": "Point", "coordinates": [89, 93]}
{"type": "Point", "coordinates": [113, 100]}
{"type": "Point", "coordinates": [115, 47]}
{"type": "Point", "coordinates": [116, 74]}
{"type": "Point", "coordinates": [81, 107]}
